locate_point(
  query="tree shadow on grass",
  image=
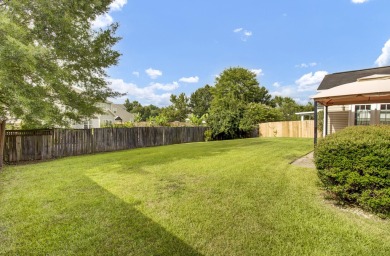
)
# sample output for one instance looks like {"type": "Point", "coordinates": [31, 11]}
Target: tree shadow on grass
{"type": "Point", "coordinates": [86, 219]}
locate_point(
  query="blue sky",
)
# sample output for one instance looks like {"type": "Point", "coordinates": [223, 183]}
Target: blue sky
{"type": "Point", "coordinates": [175, 46]}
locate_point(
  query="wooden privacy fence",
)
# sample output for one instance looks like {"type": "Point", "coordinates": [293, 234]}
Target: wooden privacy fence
{"type": "Point", "coordinates": [295, 129]}
{"type": "Point", "coordinates": [31, 145]}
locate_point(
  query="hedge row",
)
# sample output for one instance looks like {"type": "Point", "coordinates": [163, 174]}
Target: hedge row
{"type": "Point", "coordinates": [354, 165]}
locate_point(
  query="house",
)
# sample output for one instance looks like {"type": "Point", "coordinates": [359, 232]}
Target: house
{"type": "Point", "coordinates": [357, 97]}
{"type": "Point", "coordinates": [113, 114]}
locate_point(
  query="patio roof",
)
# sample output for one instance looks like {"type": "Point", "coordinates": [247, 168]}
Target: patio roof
{"type": "Point", "coordinates": [366, 90]}
{"type": "Point", "coordinates": [336, 79]}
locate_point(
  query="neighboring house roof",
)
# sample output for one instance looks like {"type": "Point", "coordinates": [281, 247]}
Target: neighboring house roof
{"type": "Point", "coordinates": [336, 79]}
{"type": "Point", "coordinates": [122, 113]}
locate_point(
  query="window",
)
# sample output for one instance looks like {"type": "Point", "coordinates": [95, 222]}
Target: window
{"type": "Point", "coordinates": [384, 116]}
{"type": "Point", "coordinates": [362, 114]}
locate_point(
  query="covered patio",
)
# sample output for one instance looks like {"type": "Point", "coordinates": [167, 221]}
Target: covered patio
{"type": "Point", "coordinates": [366, 90]}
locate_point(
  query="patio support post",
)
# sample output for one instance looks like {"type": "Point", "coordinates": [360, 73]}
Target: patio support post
{"type": "Point", "coordinates": [326, 120]}
{"type": "Point", "coordinates": [315, 122]}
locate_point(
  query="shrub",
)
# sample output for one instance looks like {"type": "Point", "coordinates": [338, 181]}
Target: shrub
{"type": "Point", "coordinates": [354, 165]}
{"type": "Point", "coordinates": [208, 135]}
{"type": "Point", "coordinates": [127, 124]}
{"type": "Point", "coordinates": [159, 120]}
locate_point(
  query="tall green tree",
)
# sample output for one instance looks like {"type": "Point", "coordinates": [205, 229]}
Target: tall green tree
{"type": "Point", "coordinates": [235, 88]}
{"type": "Point", "coordinates": [132, 106]}
{"type": "Point", "coordinates": [46, 49]}
{"type": "Point", "coordinates": [179, 109]}
{"type": "Point", "coordinates": [242, 85]}
{"type": "Point", "coordinates": [200, 100]}
{"type": "Point", "coordinates": [144, 112]}
{"type": "Point", "coordinates": [150, 111]}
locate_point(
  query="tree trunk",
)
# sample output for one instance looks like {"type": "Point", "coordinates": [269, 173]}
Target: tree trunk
{"type": "Point", "coordinates": [2, 141]}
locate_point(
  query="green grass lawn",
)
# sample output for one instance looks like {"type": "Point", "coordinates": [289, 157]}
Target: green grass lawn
{"type": "Point", "coordinates": [238, 197]}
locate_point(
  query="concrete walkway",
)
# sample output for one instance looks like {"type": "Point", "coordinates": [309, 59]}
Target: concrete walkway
{"type": "Point", "coordinates": [306, 161]}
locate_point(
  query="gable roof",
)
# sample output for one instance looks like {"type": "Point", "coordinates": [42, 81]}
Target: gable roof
{"type": "Point", "coordinates": [366, 90]}
{"type": "Point", "coordinates": [122, 113]}
{"type": "Point", "coordinates": [336, 79]}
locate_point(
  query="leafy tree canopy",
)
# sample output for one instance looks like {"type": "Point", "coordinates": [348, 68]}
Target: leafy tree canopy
{"type": "Point", "coordinates": [200, 101]}
{"type": "Point", "coordinates": [46, 49]}
{"type": "Point", "coordinates": [144, 113]}
{"type": "Point", "coordinates": [288, 107]}
{"type": "Point", "coordinates": [256, 113]}
{"type": "Point", "coordinates": [235, 88]}
{"type": "Point", "coordinates": [225, 116]}
{"type": "Point", "coordinates": [242, 85]}
{"type": "Point", "coordinates": [132, 107]}
{"type": "Point", "coordinates": [178, 110]}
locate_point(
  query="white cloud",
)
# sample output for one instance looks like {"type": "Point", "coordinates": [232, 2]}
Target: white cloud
{"type": "Point", "coordinates": [303, 88]}
{"type": "Point", "coordinates": [146, 95]}
{"type": "Point", "coordinates": [117, 5]}
{"type": "Point", "coordinates": [301, 101]}
{"type": "Point", "coordinates": [248, 33]}
{"type": "Point", "coordinates": [245, 34]}
{"type": "Point", "coordinates": [285, 91]}
{"type": "Point", "coordinates": [153, 73]}
{"type": "Point", "coordinates": [164, 87]}
{"type": "Point", "coordinates": [257, 72]}
{"type": "Point", "coordinates": [190, 80]}
{"type": "Point", "coordinates": [306, 65]}
{"type": "Point", "coordinates": [359, 1]}
{"type": "Point", "coordinates": [310, 81]}
{"type": "Point", "coordinates": [135, 73]}
{"type": "Point", "coordinates": [384, 58]}
{"type": "Point", "coordinates": [276, 84]}
{"type": "Point", "coordinates": [106, 19]}
{"type": "Point", "coordinates": [291, 91]}
{"type": "Point", "coordinates": [102, 21]}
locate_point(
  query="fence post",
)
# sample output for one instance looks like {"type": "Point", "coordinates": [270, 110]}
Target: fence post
{"type": "Point", "coordinates": [2, 141]}
{"type": "Point", "coordinates": [315, 122]}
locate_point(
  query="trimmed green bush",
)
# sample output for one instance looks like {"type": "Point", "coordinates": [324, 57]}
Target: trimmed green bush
{"type": "Point", "coordinates": [354, 165]}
